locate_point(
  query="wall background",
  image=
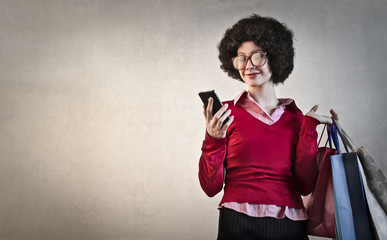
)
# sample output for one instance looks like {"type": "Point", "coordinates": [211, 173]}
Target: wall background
{"type": "Point", "coordinates": [100, 122]}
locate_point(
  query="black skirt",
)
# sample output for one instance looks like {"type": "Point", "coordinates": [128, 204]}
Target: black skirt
{"type": "Point", "coordinates": [238, 226]}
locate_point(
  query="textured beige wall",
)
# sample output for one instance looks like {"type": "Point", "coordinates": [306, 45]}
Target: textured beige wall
{"type": "Point", "coordinates": [100, 122]}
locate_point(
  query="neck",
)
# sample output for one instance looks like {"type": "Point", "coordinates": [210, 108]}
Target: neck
{"type": "Point", "coordinates": [265, 95]}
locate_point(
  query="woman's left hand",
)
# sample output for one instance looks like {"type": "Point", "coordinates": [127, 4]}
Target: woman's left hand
{"type": "Point", "coordinates": [323, 119]}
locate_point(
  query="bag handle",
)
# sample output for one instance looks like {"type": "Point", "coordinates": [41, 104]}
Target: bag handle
{"type": "Point", "coordinates": [329, 132]}
{"type": "Point", "coordinates": [335, 137]}
{"type": "Point", "coordinates": [347, 139]}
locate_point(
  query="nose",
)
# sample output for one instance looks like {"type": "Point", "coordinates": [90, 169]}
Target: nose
{"type": "Point", "coordinates": [249, 64]}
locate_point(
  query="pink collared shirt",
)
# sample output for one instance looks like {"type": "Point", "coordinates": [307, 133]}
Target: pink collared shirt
{"type": "Point", "coordinates": [262, 210]}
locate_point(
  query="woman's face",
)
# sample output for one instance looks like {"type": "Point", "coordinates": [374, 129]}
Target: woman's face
{"type": "Point", "coordinates": [254, 76]}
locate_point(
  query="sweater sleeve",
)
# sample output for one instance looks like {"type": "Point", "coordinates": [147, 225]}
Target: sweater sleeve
{"type": "Point", "coordinates": [211, 169]}
{"type": "Point", "coordinates": [306, 163]}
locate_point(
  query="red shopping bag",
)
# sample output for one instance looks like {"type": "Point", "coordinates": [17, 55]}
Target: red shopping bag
{"type": "Point", "coordinates": [320, 204]}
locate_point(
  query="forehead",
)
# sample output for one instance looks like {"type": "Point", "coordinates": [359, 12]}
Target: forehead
{"type": "Point", "coordinates": [248, 47]}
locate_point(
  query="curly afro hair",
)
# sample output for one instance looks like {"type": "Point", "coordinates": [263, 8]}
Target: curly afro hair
{"type": "Point", "coordinates": [266, 32]}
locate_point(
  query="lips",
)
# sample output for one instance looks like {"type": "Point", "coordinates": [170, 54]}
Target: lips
{"type": "Point", "coordinates": [252, 75]}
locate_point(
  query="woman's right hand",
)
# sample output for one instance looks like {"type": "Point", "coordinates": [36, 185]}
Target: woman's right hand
{"type": "Point", "coordinates": [214, 123]}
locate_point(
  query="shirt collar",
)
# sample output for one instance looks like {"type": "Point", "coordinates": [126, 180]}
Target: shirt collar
{"type": "Point", "coordinates": [245, 94]}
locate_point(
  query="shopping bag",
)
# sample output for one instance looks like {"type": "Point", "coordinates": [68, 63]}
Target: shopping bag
{"type": "Point", "coordinates": [375, 179]}
{"type": "Point", "coordinates": [353, 221]}
{"type": "Point", "coordinates": [345, 229]}
{"type": "Point", "coordinates": [378, 216]}
{"type": "Point", "coordinates": [320, 203]}
{"type": "Point", "coordinates": [362, 221]}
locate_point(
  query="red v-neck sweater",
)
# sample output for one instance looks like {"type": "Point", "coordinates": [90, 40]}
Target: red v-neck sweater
{"type": "Point", "coordinates": [259, 163]}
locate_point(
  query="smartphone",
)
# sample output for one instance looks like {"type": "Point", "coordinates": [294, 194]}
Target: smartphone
{"type": "Point", "coordinates": [217, 103]}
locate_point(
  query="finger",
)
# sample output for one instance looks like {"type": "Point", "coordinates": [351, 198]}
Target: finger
{"type": "Point", "coordinates": [219, 114]}
{"type": "Point", "coordinates": [334, 115]}
{"type": "Point", "coordinates": [209, 108]}
{"type": "Point", "coordinates": [314, 108]}
{"type": "Point", "coordinates": [225, 115]}
{"type": "Point", "coordinates": [326, 120]}
{"type": "Point", "coordinates": [218, 122]}
{"type": "Point", "coordinates": [218, 125]}
{"type": "Point", "coordinates": [215, 123]}
{"type": "Point", "coordinates": [221, 122]}
{"type": "Point", "coordinates": [228, 123]}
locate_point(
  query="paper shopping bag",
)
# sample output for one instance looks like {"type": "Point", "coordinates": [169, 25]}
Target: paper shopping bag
{"type": "Point", "coordinates": [351, 210]}
{"type": "Point", "coordinates": [320, 203]}
{"type": "Point", "coordinates": [359, 205]}
{"type": "Point", "coordinates": [373, 179]}
{"type": "Point", "coordinates": [378, 216]}
{"type": "Point", "coordinates": [345, 228]}
{"type": "Point", "coordinates": [376, 179]}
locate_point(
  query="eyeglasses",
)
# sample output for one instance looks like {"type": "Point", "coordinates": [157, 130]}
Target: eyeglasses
{"type": "Point", "coordinates": [258, 59]}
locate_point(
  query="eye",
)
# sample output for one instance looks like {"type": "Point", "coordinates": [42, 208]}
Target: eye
{"type": "Point", "coordinates": [241, 59]}
{"type": "Point", "coordinates": [258, 55]}
{"type": "Point", "coordinates": [239, 62]}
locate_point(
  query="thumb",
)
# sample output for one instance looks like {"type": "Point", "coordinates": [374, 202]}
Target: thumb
{"type": "Point", "coordinates": [334, 115]}
{"type": "Point", "coordinates": [314, 108]}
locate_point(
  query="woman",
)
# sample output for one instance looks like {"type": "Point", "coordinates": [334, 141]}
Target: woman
{"type": "Point", "coordinates": [265, 153]}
